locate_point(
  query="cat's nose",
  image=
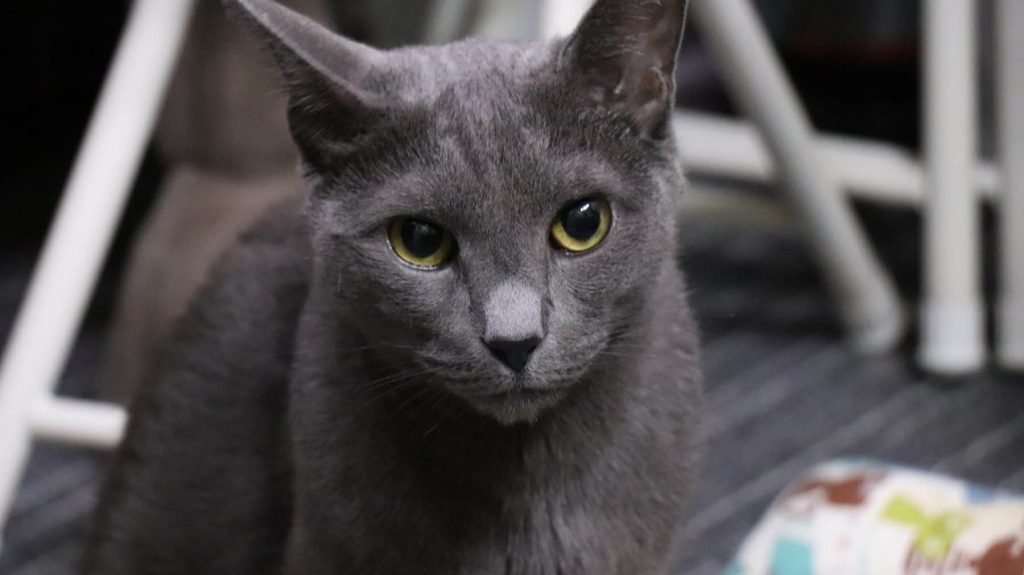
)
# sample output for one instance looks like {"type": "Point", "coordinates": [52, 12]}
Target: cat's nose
{"type": "Point", "coordinates": [514, 323]}
{"type": "Point", "coordinates": [514, 353]}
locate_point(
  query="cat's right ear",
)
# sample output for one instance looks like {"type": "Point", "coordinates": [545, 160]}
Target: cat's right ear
{"type": "Point", "coordinates": [623, 56]}
{"type": "Point", "coordinates": [330, 111]}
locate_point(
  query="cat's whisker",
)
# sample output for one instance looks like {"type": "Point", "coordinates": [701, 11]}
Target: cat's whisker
{"type": "Point", "coordinates": [390, 378]}
{"type": "Point", "coordinates": [434, 412]}
{"type": "Point", "coordinates": [390, 385]}
{"type": "Point", "coordinates": [408, 401]}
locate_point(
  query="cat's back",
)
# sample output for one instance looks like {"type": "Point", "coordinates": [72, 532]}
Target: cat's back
{"type": "Point", "coordinates": [200, 484]}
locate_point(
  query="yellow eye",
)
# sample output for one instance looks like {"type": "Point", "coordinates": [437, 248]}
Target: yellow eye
{"type": "Point", "coordinates": [420, 243]}
{"type": "Point", "coordinates": [581, 226]}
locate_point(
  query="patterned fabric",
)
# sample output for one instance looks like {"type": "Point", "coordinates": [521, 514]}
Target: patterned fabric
{"type": "Point", "coordinates": [863, 518]}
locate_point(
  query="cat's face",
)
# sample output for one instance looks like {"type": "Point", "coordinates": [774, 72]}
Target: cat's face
{"type": "Point", "coordinates": [489, 216]}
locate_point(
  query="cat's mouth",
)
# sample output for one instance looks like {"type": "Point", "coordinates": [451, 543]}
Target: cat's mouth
{"type": "Point", "coordinates": [520, 403]}
{"type": "Point", "coordinates": [508, 396]}
{"type": "Point", "coordinates": [524, 392]}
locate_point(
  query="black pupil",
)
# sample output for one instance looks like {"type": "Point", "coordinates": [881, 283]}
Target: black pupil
{"type": "Point", "coordinates": [582, 221]}
{"type": "Point", "coordinates": [422, 239]}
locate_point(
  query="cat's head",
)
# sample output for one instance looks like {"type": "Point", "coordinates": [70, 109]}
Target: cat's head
{"type": "Point", "coordinates": [491, 216]}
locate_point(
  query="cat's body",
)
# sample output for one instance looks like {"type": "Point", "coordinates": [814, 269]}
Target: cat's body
{"type": "Point", "coordinates": [327, 408]}
{"type": "Point", "coordinates": [595, 487]}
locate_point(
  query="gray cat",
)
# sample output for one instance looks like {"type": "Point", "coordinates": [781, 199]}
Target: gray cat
{"type": "Point", "coordinates": [468, 352]}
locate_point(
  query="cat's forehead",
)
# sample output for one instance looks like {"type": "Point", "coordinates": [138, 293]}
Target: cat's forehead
{"type": "Point", "coordinates": [486, 130]}
{"type": "Point", "coordinates": [482, 102]}
{"type": "Point", "coordinates": [472, 73]}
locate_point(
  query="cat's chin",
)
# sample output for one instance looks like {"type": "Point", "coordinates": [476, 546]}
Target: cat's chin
{"type": "Point", "coordinates": [518, 406]}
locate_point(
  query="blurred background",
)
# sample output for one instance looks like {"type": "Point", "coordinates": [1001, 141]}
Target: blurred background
{"type": "Point", "coordinates": [774, 343]}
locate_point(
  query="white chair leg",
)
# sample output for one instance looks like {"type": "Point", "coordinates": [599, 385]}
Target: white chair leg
{"type": "Point", "coordinates": [80, 236]}
{"type": "Point", "coordinates": [507, 19]}
{"type": "Point", "coordinates": [952, 316]}
{"type": "Point", "coordinates": [867, 300]}
{"type": "Point", "coordinates": [76, 422]}
{"type": "Point", "coordinates": [446, 20]}
{"type": "Point", "coordinates": [1010, 127]}
{"type": "Point", "coordinates": [560, 17]}
{"type": "Point", "coordinates": [881, 173]}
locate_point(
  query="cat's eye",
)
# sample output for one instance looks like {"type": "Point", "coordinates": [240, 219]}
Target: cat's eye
{"type": "Point", "coordinates": [582, 225]}
{"type": "Point", "coordinates": [421, 243]}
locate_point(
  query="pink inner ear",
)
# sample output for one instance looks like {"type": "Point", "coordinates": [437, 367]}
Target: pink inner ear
{"type": "Point", "coordinates": [651, 85]}
{"type": "Point", "coordinates": [641, 93]}
{"type": "Point", "coordinates": [650, 99]}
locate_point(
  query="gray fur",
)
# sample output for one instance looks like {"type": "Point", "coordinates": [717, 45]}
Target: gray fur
{"type": "Point", "coordinates": [327, 409]}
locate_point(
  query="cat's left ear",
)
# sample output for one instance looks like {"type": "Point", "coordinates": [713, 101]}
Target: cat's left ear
{"type": "Point", "coordinates": [331, 109]}
{"type": "Point", "coordinates": [623, 56]}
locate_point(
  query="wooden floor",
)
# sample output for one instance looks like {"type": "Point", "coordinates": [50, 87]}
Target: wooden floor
{"type": "Point", "coordinates": [783, 394]}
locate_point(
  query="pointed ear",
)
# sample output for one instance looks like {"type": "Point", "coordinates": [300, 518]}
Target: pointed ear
{"type": "Point", "coordinates": [623, 55]}
{"type": "Point", "coordinates": [329, 111]}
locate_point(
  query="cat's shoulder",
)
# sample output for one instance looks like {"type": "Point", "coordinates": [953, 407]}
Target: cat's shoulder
{"type": "Point", "coordinates": [267, 265]}
{"type": "Point", "coordinates": [277, 243]}
{"type": "Point", "coordinates": [241, 324]}
{"type": "Point", "coordinates": [209, 427]}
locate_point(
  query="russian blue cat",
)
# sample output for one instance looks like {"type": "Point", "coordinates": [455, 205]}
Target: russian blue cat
{"type": "Point", "coordinates": [467, 352]}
